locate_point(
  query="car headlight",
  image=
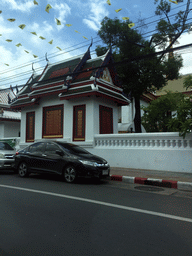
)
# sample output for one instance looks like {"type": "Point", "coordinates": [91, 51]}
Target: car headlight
{"type": "Point", "coordinates": [95, 164]}
{"type": "Point", "coordinates": [90, 163]}
{"type": "Point", "coordinates": [2, 156]}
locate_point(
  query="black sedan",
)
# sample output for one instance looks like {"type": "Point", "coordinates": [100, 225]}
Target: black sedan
{"type": "Point", "coordinates": [66, 159]}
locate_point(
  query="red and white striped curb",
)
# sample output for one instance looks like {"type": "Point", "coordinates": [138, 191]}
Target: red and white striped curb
{"type": "Point", "coordinates": [153, 182]}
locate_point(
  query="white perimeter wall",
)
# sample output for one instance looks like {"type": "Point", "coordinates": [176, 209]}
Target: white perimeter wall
{"type": "Point", "coordinates": [11, 129]}
{"type": "Point", "coordinates": [150, 151]}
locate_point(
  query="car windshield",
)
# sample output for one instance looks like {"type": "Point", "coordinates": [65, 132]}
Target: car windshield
{"type": "Point", "coordinates": [5, 146]}
{"type": "Point", "coordinates": [73, 149]}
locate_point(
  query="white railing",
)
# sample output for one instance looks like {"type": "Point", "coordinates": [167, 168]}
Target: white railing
{"type": "Point", "coordinates": [170, 140]}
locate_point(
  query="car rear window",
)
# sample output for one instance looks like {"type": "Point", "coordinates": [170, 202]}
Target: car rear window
{"type": "Point", "coordinates": [73, 149]}
{"type": "Point", "coordinates": [5, 146]}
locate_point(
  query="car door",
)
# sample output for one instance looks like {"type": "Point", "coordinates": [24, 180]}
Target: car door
{"type": "Point", "coordinates": [53, 162]}
{"type": "Point", "coordinates": [34, 156]}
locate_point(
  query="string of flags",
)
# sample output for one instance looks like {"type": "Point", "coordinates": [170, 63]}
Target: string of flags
{"type": "Point", "coordinates": [23, 26]}
{"type": "Point", "coordinates": [174, 2]}
{"type": "Point", "coordinates": [59, 23]}
{"type": "Point", "coordinates": [130, 25]}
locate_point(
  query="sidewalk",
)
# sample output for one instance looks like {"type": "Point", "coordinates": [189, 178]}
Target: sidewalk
{"type": "Point", "coordinates": [178, 180]}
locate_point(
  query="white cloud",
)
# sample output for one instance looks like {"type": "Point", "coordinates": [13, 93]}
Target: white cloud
{"type": "Point", "coordinates": [5, 30]}
{"type": "Point", "coordinates": [186, 53]}
{"type": "Point", "coordinates": [91, 24]}
{"type": "Point", "coordinates": [97, 12]}
{"type": "Point", "coordinates": [18, 5]}
{"type": "Point", "coordinates": [62, 12]}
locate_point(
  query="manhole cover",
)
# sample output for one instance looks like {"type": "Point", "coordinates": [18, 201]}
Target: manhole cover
{"type": "Point", "coordinates": [147, 188]}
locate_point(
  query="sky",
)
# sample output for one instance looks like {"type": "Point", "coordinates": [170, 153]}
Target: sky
{"type": "Point", "coordinates": [29, 33]}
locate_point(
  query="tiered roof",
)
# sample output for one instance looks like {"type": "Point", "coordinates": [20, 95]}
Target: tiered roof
{"type": "Point", "coordinates": [76, 77]}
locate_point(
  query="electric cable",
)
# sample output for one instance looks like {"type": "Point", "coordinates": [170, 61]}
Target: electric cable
{"type": "Point", "coordinates": [123, 62]}
{"type": "Point", "coordinates": [52, 55]}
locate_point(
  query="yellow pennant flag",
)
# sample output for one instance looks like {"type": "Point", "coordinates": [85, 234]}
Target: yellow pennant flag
{"type": "Point", "coordinates": [26, 51]}
{"type": "Point", "coordinates": [108, 2]}
{"type": "Point", "coordinates": [175, 2]}
{"type": "Point", "coordinates": [118, 10]}
{"type": "Point", "coordinates": [59, 48]}
{"type": "Point", "coordinates": [34, 33]}
{"type": "Point", "coordinates": [130, 25]}
{"type": "Point", "coordinates": [50, 42]}
{"type": "Point", "coordinates": [9, 40]}
{"type": "Point", "coordinates": [35, 2]}
{"type": "Point", "coordinates": [77, 31]}
{"type": "Point", "coordinates": [58, 22]}
{"type": "Point", "coordinates": [43, 38]}
{"type": "Point", "coordinates": [68, 25]}
{"type": "Point", "coordinates": [22, 26]}
{"type": "Point", "coordinates": [85, 37]}
{"type": "Point", "coordinates": [35, 56]}
{"type": "Point", "coordinates": [6, 64]}
{"type": "Point", "coordinates": [48, 7]}
{"type": "Point", "coordinates": [18, 45]}
{"type": "Point", "coordinates": [11, 20]}
{"type": "Point", "coordinates": [125, 18]}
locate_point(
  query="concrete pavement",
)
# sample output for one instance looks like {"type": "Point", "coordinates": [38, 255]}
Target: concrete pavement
{"type": "Point", "coordinates": [176, 180]}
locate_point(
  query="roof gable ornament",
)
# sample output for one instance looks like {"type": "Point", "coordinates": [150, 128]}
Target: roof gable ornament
{"type": "Point", "coordinates": [78, 68]}
{"type": "Point", "coordinates": [34, 73]}
{"type": "Point", "coordinates": [108, 62]}
{"type": "Point", "coordinates": [9, 99]}
{"type": "Point", "coordinates": [46, 58]}
{"type": "Point", "coordinates": [84, 59]}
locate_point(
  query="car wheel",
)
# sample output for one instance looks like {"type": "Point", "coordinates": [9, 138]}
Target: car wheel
{"type": "Point", "coordinates": [23, 170]}
{"type": "Point", "coordinates": [70, 174]}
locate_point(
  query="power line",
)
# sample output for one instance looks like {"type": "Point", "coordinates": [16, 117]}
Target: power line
{"type": "Point", "coordinates": [23, 73]}
{"type": "Point", "coordinates": [43, 59]}
{"type": "Point", "coordinates": [125, 61]}
{"type": "Point", "coordinates": [53, 55]}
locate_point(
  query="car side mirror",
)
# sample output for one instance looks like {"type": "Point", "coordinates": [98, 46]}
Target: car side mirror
{"type": "Point", "coordinates": [59, 152]}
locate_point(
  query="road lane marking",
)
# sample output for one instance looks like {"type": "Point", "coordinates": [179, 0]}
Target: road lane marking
{"type": "Point", "coordinates": [164, 215]}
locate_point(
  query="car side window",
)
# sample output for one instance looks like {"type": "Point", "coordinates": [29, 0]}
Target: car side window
{"type": "Point", "coordinates": [37, 148]}
{"type": "Point", "coordinates": [51, 148]}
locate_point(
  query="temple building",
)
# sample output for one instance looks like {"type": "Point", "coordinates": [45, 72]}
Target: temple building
{"type": "Point", "coordinates": [71, 100]}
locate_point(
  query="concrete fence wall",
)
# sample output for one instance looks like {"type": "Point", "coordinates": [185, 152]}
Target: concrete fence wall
{"type": "Point", "coordinates": [152, 151]}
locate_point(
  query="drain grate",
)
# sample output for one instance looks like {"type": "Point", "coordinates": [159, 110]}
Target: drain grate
{"type": "Point", "coordinates": [147, 188]}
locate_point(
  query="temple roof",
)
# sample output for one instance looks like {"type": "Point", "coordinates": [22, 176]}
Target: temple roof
{"type": "Point", "coordinates": [68, 78]}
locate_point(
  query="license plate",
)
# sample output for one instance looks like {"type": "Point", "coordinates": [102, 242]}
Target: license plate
{"type": "Point", "coordinates": [105, 172]}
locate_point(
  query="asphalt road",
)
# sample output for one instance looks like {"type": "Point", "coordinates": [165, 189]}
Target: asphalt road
{"type": "Point", "coordinates": [42, 215]}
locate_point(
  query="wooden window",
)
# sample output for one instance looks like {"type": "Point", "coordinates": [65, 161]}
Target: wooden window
{"type": "Point", "coordinates": [105, 119]}
{"type": "Point", "coordinates": [79, 123]}
{"type": "Point", "coordinates": [53, 122]}
{"type": "Point", "coordinates": [30, 126]}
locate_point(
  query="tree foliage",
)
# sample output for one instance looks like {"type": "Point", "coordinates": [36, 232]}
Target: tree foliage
{"type": "Point", "coordinates": [188, 82]}
{"type": "Point", "coordinates": [182, 122]}
{"type": "Point", "coordinates": [147, 74]}
{"type": "Point", "coordinates": [158, 114]}
{"type": "Point", "coordinates": [169, 113]}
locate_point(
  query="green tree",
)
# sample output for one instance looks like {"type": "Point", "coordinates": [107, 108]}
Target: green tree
{"type": "Point", "coordinates": [169, 113]}
{"type": "Point", "coordinates": [182, 122]}
{"type": "Point", "coordinates": [148, 74]}
{"type": "Point", "coordinates": [187, 82]}
{"type": "Point", "coordinates": [159, 114]}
